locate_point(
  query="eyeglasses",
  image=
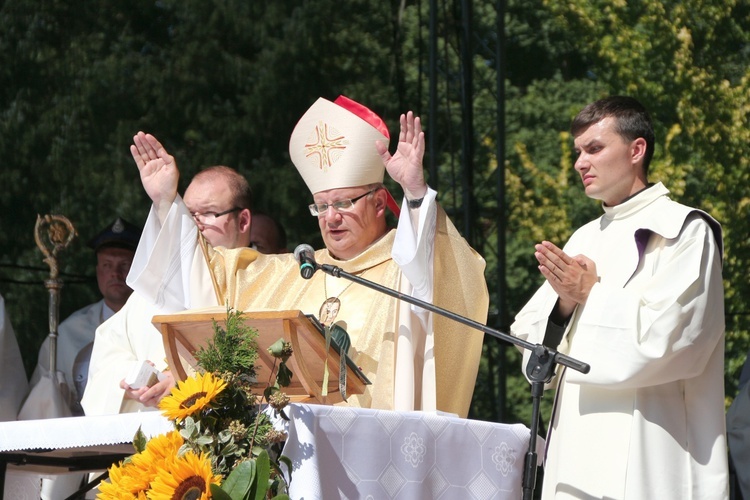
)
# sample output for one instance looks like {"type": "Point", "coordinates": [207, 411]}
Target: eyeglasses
{"type": "Point", "coordinates": [318, 209]}
{"type": "Point", "coordinates": [209, 218]}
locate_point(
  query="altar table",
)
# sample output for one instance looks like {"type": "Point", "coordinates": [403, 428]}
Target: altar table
{"type": "Point", "coordinates": [340, 452]}
{"type": "Point", "coordinates": [49, 447]}
{"type": "Point", "coordinates": [336, 452]}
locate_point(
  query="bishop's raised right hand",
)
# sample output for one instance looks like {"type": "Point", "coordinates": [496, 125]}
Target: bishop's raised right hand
{"type": "Point", "coordinates": [159, 173]}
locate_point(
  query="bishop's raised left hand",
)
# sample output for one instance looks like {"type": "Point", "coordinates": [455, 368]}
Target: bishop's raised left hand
{"type": "Point", "coordinates": [405, 167]}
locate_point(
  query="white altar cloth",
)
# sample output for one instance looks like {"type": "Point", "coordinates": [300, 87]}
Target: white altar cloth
{"type": "Point", "coordinates": [80, 432]}
{"type": "Point", "coordinates": [340, 452]}
{"type": "Point", "coordinates": [31, 449]}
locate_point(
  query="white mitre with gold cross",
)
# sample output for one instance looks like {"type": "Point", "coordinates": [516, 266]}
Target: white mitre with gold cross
{"type": "Point", "coordinates": [333, 145]}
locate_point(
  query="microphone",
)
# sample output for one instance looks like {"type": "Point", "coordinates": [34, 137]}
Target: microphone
{"type": "Point", "coordinates": [305, 255]}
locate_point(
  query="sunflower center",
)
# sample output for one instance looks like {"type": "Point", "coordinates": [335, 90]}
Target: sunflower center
{"type": "Point", "coordinates": [192, 399]}
{"type": "Point", "coordinates": [190, 489]}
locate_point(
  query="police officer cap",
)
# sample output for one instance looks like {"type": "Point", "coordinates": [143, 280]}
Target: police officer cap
{"type": "Point", "coordinates": [120, 234]}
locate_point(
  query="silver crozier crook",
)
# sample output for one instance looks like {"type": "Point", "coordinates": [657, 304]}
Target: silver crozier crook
{"type": "Point", "coordinates": [52, 234]}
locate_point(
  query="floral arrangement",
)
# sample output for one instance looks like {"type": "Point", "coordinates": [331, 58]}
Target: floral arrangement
{"type": "Point", "coordinates": [223, 446]}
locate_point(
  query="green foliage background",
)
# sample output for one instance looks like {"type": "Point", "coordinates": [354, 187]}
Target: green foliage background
{"type": "Point", "coordinates": [224, 81]}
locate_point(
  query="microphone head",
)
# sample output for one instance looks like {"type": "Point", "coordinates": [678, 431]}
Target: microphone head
{"type": "Point", "coordinates": [303, 249]}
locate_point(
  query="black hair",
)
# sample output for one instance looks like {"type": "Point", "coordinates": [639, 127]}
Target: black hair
{"type": "Point", "coordinates": [631, 121]}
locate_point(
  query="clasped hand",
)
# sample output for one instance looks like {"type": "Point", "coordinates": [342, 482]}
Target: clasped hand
{"type": "Point", "coordinates": [571, 277]}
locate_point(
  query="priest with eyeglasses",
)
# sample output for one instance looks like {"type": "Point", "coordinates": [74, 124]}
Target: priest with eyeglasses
{"type": "Point", "coordinates": [416, 360]}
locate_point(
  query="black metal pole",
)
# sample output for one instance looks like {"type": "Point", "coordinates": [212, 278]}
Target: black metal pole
{"type": "Point", "coordinates": [432, 144]}
{"type": "Point", "coordinates": [467, 122]}
{"type": "Point", "coordinates": [502, 302]}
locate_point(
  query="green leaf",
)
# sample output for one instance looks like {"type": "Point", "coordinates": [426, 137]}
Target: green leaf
{"type": "Point", "coordinates": [204, 440]}
{"type": "Point", "coordinates": [232, 349]}
{"type": "Point", "coordinates": [139, 440]}
{"type": "Point", "coordinates": [277, 348]}
{"type": "Point", "coordinates": [269, 391]}
{"type": "Point", "coordinates": [218, 494]}
{"type": "Point", "coordinates": [260, 485]}
{"type": "Point", "coordinates": [288, 462]}
{"type": "Point", "coordinates": [284, 375]}
{"type": "Point", "coordinates": [239, 483]}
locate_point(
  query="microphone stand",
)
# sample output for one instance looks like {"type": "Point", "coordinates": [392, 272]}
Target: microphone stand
{"type": "Point", "coordinates": [539, 370]}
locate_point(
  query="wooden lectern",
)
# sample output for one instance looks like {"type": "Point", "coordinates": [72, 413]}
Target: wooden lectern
{"type": "Point", "coordinates": [185, 333]}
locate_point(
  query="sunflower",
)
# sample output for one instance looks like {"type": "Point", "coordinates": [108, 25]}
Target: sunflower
{"type": "Point", "coordinates": [160, 451]}
{"type": "Point", "coordinates": [163, 447]}
{"type": "Point", "coordinates": [107, 492]}
{"type": "Point", "coordinates": [191, 396]}
{"type": "Point", "coordinates": [188, 478]}
{"type": "Point", "coordinates": [124, 482]}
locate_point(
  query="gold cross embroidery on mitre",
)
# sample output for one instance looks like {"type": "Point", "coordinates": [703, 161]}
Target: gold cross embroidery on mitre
{"type": "Point", "coordinates": [325, 146]}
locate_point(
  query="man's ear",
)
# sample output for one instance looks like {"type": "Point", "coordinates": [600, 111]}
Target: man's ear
{"type": "Point", "coordinates": [381, 202]}
{"type": "Point", "coordinates": [245, 219]}
{"type": "Point", "coordinates": [638, 150]}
